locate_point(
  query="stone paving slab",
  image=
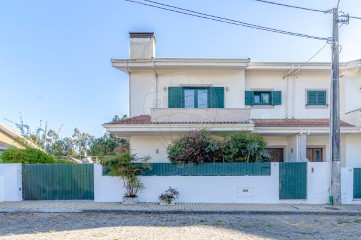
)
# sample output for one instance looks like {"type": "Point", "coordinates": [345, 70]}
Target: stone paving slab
{"type": "Point", "coordinates": [225, 208]}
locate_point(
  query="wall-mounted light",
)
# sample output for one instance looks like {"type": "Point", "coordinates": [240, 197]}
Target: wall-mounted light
{"type": "Point", "coordinates": [156, 150]}
{"type": "Point", "coordinates": [227, 89]}
{"type": "Point", "coordinates": [291, 150]}
{"type": "Point", "coordinates": [165, 89]}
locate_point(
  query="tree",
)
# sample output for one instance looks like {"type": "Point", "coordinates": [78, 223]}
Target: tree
{"type": "Point", "coordinates": [105, 145]}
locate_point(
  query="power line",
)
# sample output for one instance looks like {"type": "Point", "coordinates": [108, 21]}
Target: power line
{"type": "Point", "coordinates": [359, 18]}
{"type": "Point", "coordinates": [221, 19]}
{"type": "Point", "coordinates": [292, 6]}
{"type": "Point", "coordinates": [318, 52]}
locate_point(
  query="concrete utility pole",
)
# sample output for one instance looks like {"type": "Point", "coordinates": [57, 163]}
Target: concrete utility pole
{"type": "Point", "coordinates": [335, 115]}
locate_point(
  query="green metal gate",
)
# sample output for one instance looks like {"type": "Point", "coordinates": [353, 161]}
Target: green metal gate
{"type": "Point", "coordinates": [357, 183]}
{"type": "Point", "coordinates": [58, 181]}
{"type": "Point", "coordinates": [293, 180]}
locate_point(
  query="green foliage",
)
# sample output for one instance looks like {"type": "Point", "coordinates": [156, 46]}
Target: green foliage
{"type": "Point", "coordinates": [195, 147]}
{"type": "Point", "coordinates": [79, 144]}
{"type": "Point", "coordinates": [105, 145]}
{"type": "Point", "coordinates": [246, 147]}
{"type": "Point", "coordinates": [200, 146]}
{"type": "Point", "coordinates": [117, 118]}
{"type": "Point", "coordinates": [25, 156]}
{"type": "Point", "coordinates": [128, 167]}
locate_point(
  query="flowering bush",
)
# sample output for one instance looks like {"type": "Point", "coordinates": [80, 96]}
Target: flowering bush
{"type": "Point", "coordinates": [194, 147]}
{"type": "Point", "coordinates": [199, 147]}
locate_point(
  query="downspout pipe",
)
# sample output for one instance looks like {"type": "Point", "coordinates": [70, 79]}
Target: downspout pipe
{"type": "Point", "coordinates": [286, 92]}
{"type": "Point", "coordinates": [130, 92]}
{"type": "Point", "coordinates": [156, 86]}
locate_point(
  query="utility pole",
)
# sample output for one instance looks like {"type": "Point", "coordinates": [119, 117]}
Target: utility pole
{"type": "Point", "coordinates": [335, 115]}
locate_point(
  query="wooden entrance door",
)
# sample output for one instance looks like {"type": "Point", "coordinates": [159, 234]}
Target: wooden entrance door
{"type": "Point", "coordinates": [315, 154]}
{"type": "Point", "coordinates": [276, 154]}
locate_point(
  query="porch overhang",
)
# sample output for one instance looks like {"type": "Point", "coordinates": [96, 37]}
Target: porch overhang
{"type": "Point", "coordinates": [162, 129]}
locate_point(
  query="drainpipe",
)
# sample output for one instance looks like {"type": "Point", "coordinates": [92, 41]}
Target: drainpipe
{"type": "Point", "coordinates": [156, 86]}
{"type": "Point", "coordinates": [286, 92]}
{"type": "Point", "coordinates": [293, 102]}
{"type": "Point", "coordinates": [129, 78]}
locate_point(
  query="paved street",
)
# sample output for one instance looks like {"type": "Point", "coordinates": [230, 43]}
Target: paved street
{"type": "Point", "coordinates": [176, 226]}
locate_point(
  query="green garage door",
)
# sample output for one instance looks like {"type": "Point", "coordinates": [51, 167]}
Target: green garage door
{"type": "Point", "coordinates": [293, 180]}
{"type": "Point", "coordinates": [58, 181]}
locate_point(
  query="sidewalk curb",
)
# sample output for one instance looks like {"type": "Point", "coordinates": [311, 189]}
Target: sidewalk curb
{"type": "Point", "coordinates": [248, 212]}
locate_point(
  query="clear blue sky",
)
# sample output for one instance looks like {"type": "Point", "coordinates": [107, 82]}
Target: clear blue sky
{"type": "Point", "coordinates": [55, 55]}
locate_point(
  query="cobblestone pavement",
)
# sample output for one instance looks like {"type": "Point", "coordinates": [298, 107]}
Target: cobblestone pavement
{"type": "Point", "coordinates": [90, 206]}
{"type": "Point", "coordinates": [176, 226]}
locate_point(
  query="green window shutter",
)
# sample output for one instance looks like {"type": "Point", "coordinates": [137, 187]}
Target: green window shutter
{"type": "Point", "coordinates": [249, 98]}
{"type": "Point", "coordinates": [216, 97]}
{"type": "Point", "coordinates": [321, 98]}
{"type": "Point", "coordinates": [311, 98]}
{"type": "Point", "coordinates": [175, 97]}
{"type": "Point", "coordinates": [316, 98]}
{"type": "Point", "coordinates": [276, 98]}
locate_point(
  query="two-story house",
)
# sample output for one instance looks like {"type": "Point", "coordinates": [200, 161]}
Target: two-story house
{"type": "Point", "coordinates": [287, 103]}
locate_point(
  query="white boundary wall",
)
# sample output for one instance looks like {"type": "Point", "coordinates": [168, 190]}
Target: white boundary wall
{"type": "Point", "coordinates": [347, 186]}
{"type": "Point", "coordinates": [10, 182]}
{"type": "Point", "coordinates": [218, 189]}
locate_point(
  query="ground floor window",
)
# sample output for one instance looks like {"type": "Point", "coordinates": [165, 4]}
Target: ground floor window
{"type": "Point", "coordinates": [315, 154]}
{"type": "Point", "coordinates": [276, 154]}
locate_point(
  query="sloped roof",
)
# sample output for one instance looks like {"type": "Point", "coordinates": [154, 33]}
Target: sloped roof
{"type": "Point", "coordinates": [295, 123]}
{"type": "Point", "coordinates": [146, 119]}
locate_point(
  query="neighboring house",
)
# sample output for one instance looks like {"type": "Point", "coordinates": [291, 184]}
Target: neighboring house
{"type": "Point", "coordinates": [7, 137]}
{"type": "Point", "coordinates": [287, 103]}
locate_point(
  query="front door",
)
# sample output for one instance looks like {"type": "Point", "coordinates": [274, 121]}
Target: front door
{"type": "Point", "coordinates": [276, 154]}
{"type": "Point", "coordinates": [315, 154]}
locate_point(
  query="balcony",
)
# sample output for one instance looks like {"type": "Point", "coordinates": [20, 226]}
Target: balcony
{"type": "Point", "coordinates": [200, 115]}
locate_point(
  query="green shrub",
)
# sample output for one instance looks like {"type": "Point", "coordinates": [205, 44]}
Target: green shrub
{"type": "Point", "coordinates": [199, 147]}
{"type": "Point", "coordinates": [128, 167]}
{"type": "Point", "coordinates": [245, 147]}
{"type": "Point", "coordinates": [195, 147]}
{"type": "Point", "coordinates": [25, 156]}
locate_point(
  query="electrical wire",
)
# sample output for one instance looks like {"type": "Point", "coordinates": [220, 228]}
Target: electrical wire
{"type": "Point", "coordinates": [318, 52]}
{"type": "Point", "coordinates": [292, 6]}
{"type": "Point", "coordinates": [221, 19]}
{"type": "Point", "coordinates": [359, 18]}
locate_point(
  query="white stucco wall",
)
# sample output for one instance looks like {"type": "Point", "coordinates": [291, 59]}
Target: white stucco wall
{"type": "Point", "coordinates": [10, 182]}
{"type": "Point", "coordinates": [266, 81]}
{"type": "Point", "coordinates": [154, 146]}
{"type": "Point", "coordinates": [143, 86]}
{"type": "Point", "coordinates": [353, 150]}
{"type": "Point", "coordinates": [217, 189]}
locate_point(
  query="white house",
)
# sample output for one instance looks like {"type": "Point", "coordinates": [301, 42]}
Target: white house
{"type": "Point", "coordinates": [287, 103]}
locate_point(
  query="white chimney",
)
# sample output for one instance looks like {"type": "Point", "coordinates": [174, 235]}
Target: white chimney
{"type": "Point", "coordinates": [142, 45]}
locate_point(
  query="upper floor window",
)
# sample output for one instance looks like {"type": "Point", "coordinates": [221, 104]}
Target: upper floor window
{"type": "Point", "coordinates": [316, 98]}
{"type": "Point", "coordinates": [263, 98]}
{"type": "Point", "coordinates": [196, 97]}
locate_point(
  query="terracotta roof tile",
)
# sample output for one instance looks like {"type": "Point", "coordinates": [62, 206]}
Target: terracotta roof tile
{"type": "Point", "coordinates": [295, 123]}
{"type": "Point", "coordinates": [142, 119]}
{"type": "Point", "coordinates": [146, 119]}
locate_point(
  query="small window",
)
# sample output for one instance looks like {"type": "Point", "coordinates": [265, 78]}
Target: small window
{"type": "Point", "coordinates": [315, 154]}
{"type": "Point", "coordinates": [316, 98]}
{"type": "Point", "coordinates": [262, 98]}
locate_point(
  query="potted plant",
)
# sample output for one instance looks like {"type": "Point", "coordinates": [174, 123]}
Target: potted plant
{"type": "Point", "coordinates": [168, 197]}
{"type": "Point", "coordinates": [128, 167]}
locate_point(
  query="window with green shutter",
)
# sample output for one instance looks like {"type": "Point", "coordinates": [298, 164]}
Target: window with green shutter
{"type": "Point", "coordinates": [263, 98]}
{"type": "Point", "coordinates": [196, 97]}
{"type": "Point", "coordinates": [316, 98]}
